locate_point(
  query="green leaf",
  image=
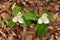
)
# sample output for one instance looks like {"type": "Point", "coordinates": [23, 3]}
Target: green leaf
{"type": "Point", "coordinates": [16, 9]}
{"type": "Point", "coordinates": [26, 23]}
{"type": "Point", "coordinates": [30, 15]}
{"type": "Point", "coordinates": [1, 22]}
{"type": "Point", "coordinates": [48, 13]}
{"type": "Point", "coordinates": [40, 29]}
{"type": "Point", "coordinates": [10, 23]}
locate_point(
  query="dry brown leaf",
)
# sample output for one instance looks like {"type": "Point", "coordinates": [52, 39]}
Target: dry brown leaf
{"type": "Point", "coordinates": [58, 18]}
{"type": "Point", "coordinates": [4, 15]}
{"type": "Point", "coordinates": [56, 7]}
{"type": "Point", "coordinates": [55, 16]}
{"type": "Point", "coordinates": [6, 5]}
{"type": "Point", "coordinates": [13, 6]}
{"type": "Point", "coordinates": [58, 38]}
{"type": "Point", "coordinates": [29, 37]}
{"type": "Point", "coordinates": [50, 27]}
{"type": "Point", "coordinates": [32, 25]}
{"type": "Point", "coordinates": [51, 38]}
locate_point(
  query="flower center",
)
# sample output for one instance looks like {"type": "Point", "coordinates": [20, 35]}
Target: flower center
{"type": "Point", "coordinates": [18, 17]}
{"type": "Point", "coordinates": [42, 18]}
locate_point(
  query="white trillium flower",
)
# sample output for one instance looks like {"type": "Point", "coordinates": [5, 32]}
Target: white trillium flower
{"type": "Point", "coordinates": [18, 18]}
{"type": "Point", "coordinates": [43, 19]}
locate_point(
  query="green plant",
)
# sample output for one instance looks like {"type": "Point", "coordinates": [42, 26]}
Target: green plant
{"type": "Point", "coordinates": [26, 18]}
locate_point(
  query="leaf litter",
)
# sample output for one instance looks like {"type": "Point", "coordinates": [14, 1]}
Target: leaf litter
{"type": "Point", "coordinates": [53, 32]}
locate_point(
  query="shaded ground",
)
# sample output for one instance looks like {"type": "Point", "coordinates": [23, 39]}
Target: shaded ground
{"type": "Point", "coordinates": [53, 32]}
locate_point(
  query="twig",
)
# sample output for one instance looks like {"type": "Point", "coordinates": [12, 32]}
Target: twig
{"type": "Point", "coordinates": [24, 31]}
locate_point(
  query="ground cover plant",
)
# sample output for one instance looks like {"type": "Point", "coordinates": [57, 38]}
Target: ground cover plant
{"type": "Point", "coordinates": [30, 20]}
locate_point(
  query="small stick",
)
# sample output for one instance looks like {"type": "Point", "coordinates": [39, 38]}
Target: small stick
{"type": "Point", "coordinates": [23, 36]}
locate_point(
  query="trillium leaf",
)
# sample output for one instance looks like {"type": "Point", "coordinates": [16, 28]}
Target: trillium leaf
{"type": "Point", "coordinates": [10, 23]}
{"type": "Point", "coordinates": [48, 13]}
{"type": "Point", "coordinates": [26, 23]}
{"type": "Point", "coordinates": [30, 15]}
{"type": "Point", "coordinates": [16, 9]}
{"type": "Point", "coordinates": [40, 29]}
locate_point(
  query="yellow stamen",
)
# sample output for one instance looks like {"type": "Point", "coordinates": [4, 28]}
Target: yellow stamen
{"type": "Point", "coordinates": [42, 18]}
{"type": "Point", "coordinates": [18, 17]}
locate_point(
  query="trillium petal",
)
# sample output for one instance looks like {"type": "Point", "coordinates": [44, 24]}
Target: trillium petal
{"type": "Point", "coordinates": [19, 14]}
{"type": "Point", "coordinates": [20, 20]}
{"type": "Point", "coordinates": [46, 21]}
{"type": "Point", "coordinates": [14, 19]}
{"type": "Point", "coordinates": [40, 21]}
{"type": "Point", "coordinates": [44, 15]}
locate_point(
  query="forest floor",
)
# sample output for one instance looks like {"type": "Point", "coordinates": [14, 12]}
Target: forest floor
{"type": "Point", "coordinates": [38, 6]}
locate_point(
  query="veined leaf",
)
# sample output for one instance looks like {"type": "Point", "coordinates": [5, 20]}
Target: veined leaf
{"type": "Point", "coordinates": [16, 9]}
{"type": "Point", "coordinates": [30, 15]}
{"type": "Point", "coordinates": [40, 29]}
{"type": "Point", "coordinates": [10, 23]}
{"type": "Point", "coordinates": [26, 23]}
